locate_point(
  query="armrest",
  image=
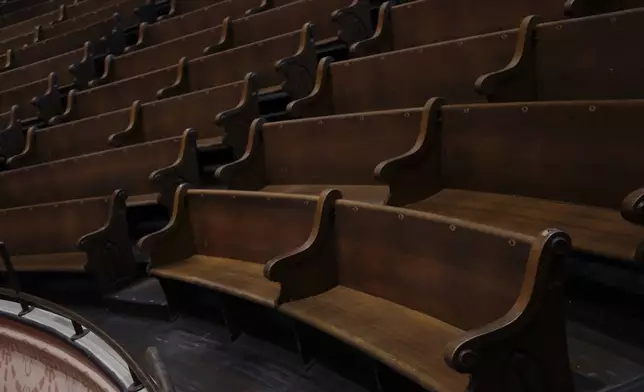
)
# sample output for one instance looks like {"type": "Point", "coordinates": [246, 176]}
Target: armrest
{"type": "Point", "coordinates": [12, 138]}
{"type": "Point", "coordinates": [49, 104]}
{"type": "Point", "coordinates": [9, 59]}
{"type": "Point", "coordinates": [266, 5]}
{"type": "Point", "coordinates": [320, 101]}
{"type": "Point", "coordinates": [227, 39]}
{"type": "Point", "coordinates": [354, 21]}
{"type": "Point", "coordinates": [248, 171]}
{"type": "Point", "coordinates": [310, 269]}
{"type": "Point", "coordinates": [414, 175]}
{"type": "Point", "coordinates": [134, 131]}
{"type": "Point", "coordinates": [70, 110]}
{"type": "Point", "coordinates": [181, 84]}
{"type": "Point", "coordinates": [382, 40]}
{"type": "Point", "coordinates": [536, 316]}
{"type": "Point", "coordinates": [633, 207]}
{"type": "Point", "coordinates": [184, 170]}
{"type": "Point", "coordinates": [237, 121]}
{"type": "Point", "coordinates": [108, 72]}
{"type": "Point", "coordinates": [498, 85]}
{"type": "Point", "coordinates": [174, 241]}
{"type": "Point", "coordinates": [299, 70]}
{"type": "Point", "coordinates": [84, 71]}
{"type": "Point", "coordinates": [140, 40]}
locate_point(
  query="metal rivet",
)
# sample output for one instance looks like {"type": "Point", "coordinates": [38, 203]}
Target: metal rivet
{"type": "Point", "coordinates": [460, 43]}
{"type": "Point", "coordinates": [504, 36]}
{"type": "Point", "coordinates": [512, 242]}
{"type": "Point", "coordinates": [592, 108]}
{"type": "Point", "coordinates": [452, 227]}
{"type": "Point", "coordinates": [361, 118]}
{"type": "Point", "coordinates": [306, 202]}
{"type": "Point", "coordinates": [406, 114]}
{"type": "Point", "coordinates": [466, 110]}
{"type": "Point", "coordinates": [401, 217]}
{"type": "Point", "coordinates": [559, 27]}
{"type": "Point", "coordinates": [320, 122]}
{"type": "Point", "coordinates": [355, 209]}
{"type": "Point", "coordinates": [524, 109]}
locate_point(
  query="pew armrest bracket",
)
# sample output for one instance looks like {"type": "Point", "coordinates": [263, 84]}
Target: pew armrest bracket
{"type": "Point", "coordinates": [517, 81]}
{"type": "Point", "coordinates": [12, 138]}
{"type": "Point", "coordinates": [184, 170]}
{"type": "Point", "coordinates": [182, 83]}
{"type": "Point", "coordinates": [320, 101]}
{"type": "Point", "coordinates": [109, 250]}
{"type": "Point", "coordinates": [70, 110]}
{"type": "Point", "coordinates": [415, 174]}
{"type": "Point", "coordinates": [248, 172]}
{"type": "Point", "coordinates": [134, 131]}
{"type": "Point", "coordinates": [84, 71]}
{"type": "Point", "coordinates": [227, 39]}
{"type": "Point", "coordinates": [532, 333]}
{"type": "Point", "coordinates": [140, 40]}
{"type": "Point", "coordinates": [382, 40]}
{"type": "Point", "coordinates": [24, 157]}
{"type": "Point", "coordinates": [50, 103]}
{"type": "Point", "coordinates": [310, 269]}
{"type": "Point", "coordinates": [299, 70]}
{"type": "Point", "coordinates": [266, 5]}
{"type": "Point", "coordinates": [354, 22]}
{"type": "Point", "coordinates": [109, 62]}
{"type": "Point", "coordinates": [236, 121]}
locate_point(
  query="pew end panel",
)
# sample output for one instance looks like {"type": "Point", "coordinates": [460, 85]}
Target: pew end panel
{"type": "Point", "coordinates": [354, 22]}
{"type": "Point", "coordinates": [226, 39]}
{"type": "Point", "coordinates": [84, 71]}
{"type": "Point", "coordinates": [184, 170]}
{"type": "Point", "coordinates": [133, 133]}
{"type": "Point", "coordinates": [299, 70]}
{"type": "Point", "coordinates": [382, 39]}
{"type": "Point", "coordinates": [531, 333]}
{"type": "Point", "coordinates": [415, 174]}
{"type": "Point", "coordinates": [423, 296]}
{"type": "Point", "coordinates": [310, 269]}
{"type": "Point", "coordinates": [234, 233]}
{"type": "Point", "coordinates": [320, 101]}
{"type": "Point", "coordinates": [633, 211]}
{"type": "Point", "coordinates": [248, 172]}
{"type": "Point", "coordinates": [12, 137]}
{"type": "Point", "coordinates": [109, 249]}
{"type": "Point", "coordinates": [237, 121]}
{"type": "Point", "coordinates": [50, 103]}
{"type": "Point", "coordinates": [517, 81]}
{"type": "Point", "coordinates": [181, 85]}
{"type": "Point", "coordinates": [175, 241]}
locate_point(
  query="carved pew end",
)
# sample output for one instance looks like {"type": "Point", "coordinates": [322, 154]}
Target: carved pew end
{"type": "Point", "coordinates": [181, 84]}
{"type": "Point", "coordinates": [383, 38]}
{"type": "Point", "coordinates": [299, 69]}
{"type": "Point", "coordinates": [226, 41]}
{"type": "Point", "coordinates": [12, 138]}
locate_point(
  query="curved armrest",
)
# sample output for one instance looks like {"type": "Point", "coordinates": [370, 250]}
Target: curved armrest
{"type": "Point", "coordinates": [134, 131]}
{"type": "Point", "coordinates": [299, 70]}
{"type": "Point", "coordinates": [320, 101]}
{"type": "Point", "coordinates": [140, 40]}
{"type": "Point", "coordinates": [227, 39]}
{"type": "Point", "coordinates": [382, 40]}
{"type": "Point", "coordinates": [354, 21]}
{"type": "Point", "coordinates": [8, 141]}
{"type": "Point", "coordinates": [181, 84]}
{"type": "Point", "coordinates": [248, 171]}
{"type": "Point", "coordinates": [536, 311]}
{"type": "Point", "coordinates": [311, 268]}
{"type": "Point", "coordinates": [633, 207]}
{"type": "Point", "coordinates": [266, 5]}
{"type": "Point", "coordinates": [12, 138]}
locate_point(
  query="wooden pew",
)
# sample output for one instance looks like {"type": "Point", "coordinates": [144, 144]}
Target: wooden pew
{"type": "Point", "coordinates": [428, 21]}
{"type": "Point", "coordinates": [86, 236]}
{"type": "Point", "coordinates": [141, 123]}
{"type": "Point", "coordinates": [60, 44]}
{"type": "Point", "coordinates": [28, 26]}
{"type": "Point", "coordinates": [448, 68]}
{"type": "Point", "coordinates": [222, 239]}
{"type": "Point", "coordinates": [181, 7]}
{"type": "Point", "coordinates": [231, 34]}
{"type": "Point", "coordinates": [149, 172]}
{"type": "Point", "coordinates": [31, 12]}
{"type": "Point", "coordinates": [420, 293]}
{"type": "Point", "coordinates": [23, 95]}
{"type": "Point", "coordinates": [294, 156]}
{"type": "Point", "coordinates": [524, 166]}
{"type": "Point", "coordinates": [197, 20]}
{"type": "Point", "coordinates": [294, 53]}
{"type": "Point", "coordinates": [12, 136]}
{"type": "Point", "coordinates": [22, 40]}
{"type": "Point", "coordinates": [574, 59]}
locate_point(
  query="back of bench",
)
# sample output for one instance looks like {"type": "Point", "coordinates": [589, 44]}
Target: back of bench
{"type": "Point", "coordinates": [27, 26]}
{"type": "Point", "coordinates": [408, 78]}
{"type": "Point", "coordinates": [338, 150]}
{"type": "Point", "coordinates": [552, 150]}
{"type": "Point", "coordinates": [39, 70]}
{"type": "Point", "coordinates": [428, 21]}
{"type": "Point", "coordinates": [52, 228]}
{"type": "Point", "coordinates": [464, 274]}
{"type": "Point", "coordinates": [93, 175]}
{"type": "Point", "coordinates": [249, 226]}
{"type": "Point", "coordinates": [579, 58]}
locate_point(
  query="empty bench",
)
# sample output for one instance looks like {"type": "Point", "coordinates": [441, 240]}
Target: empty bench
{"type": "Point", "coordinates": [525, 166]}
{"type": "Point", "coordinates": [424, 22]}
{"type": "Point", "coordinates": [574, 59]}
{"type": "Point", "coordinates": [222, 239]}
{"type": "Point", "coordinates": [140, 123]}
{"type": "Point", "coordinates": [149, 172]}
{"type": "Point", "coordinates": [445, 302]}
{"type": "Point", "coordinates": [86, 236]}
{"type": "Point", "coordinates": [378, 82]}
{"type": "Point", "coordinates": [309, 155]}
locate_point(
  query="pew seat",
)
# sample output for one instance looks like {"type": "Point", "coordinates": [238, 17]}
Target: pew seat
{"type": "Point", "coordinates": [376, 194]}
{"type": "Point", "coordinates": [593, 229]}
{"type": "Point", "coordinates": [384, 330]}
{"type": "Point", "coordinates": [235, 277]}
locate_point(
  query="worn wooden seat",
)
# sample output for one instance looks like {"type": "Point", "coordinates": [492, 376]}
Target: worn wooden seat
{"type": "Point", "coordinates": [420, 293]}
{"type": "Point", "coordinates": [78, 236]}
{"type": "Point", "coordinates": [234, 33]}
{"type": "Point", "coordinates": [221, 239]}
{"type": "Point", "coordinates": [377, 82]}
{"type": "Point", "coordinates": [149, 172]}
{"type": "Point", "coordinates": [310, 155]}
{"type": "Point", "coordinates": [140, 123]}
{"type": "Point", "coordinates": [425, 22]}
{"type": "Point", "coordinates": [574, 59]}
{"type": "Point", "coordinates": [69, 41]}
{"type": "Point", "coordinates": [522, 166]}
{"type": "Point", "coordinates": [190, 22]}
{"type": "Point", "coordinates": [294, 53]}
